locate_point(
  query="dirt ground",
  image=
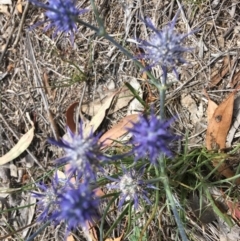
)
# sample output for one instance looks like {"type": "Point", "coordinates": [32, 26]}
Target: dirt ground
{"type": "Point", "coordinates": [39, 75]}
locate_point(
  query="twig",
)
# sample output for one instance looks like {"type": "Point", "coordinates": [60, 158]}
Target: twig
{"type": "Point", "coordinates": [7, 43]}
{"type": "Point", "coordinates": [21, 25]}
{"type": "Point", "coordinates": [37, 78]}
{"type": "Point", "coordinates": [17, 231]}
{"type": "Point", "coordinates": [78, 111]}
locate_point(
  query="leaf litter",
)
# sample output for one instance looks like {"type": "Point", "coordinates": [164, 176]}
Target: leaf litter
{"type": "Point", "coordinates": [63, 99]}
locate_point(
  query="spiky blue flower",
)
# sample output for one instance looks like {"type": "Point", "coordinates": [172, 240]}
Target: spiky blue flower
{"type": "Point", "coordinates": [131, 186]}
{"type": "Point", "coordinates": [164, 47]}
{"type": "Point", "coordinates": [77, 206]}
{"type": "Point", "coordinates": [82, 153]}
{"type": "Point", "coordinates": [48, 199]}
{"type": "Point", "coordinates": [62, 15]}
{"type": "Point", "coordinates": [151, 137]}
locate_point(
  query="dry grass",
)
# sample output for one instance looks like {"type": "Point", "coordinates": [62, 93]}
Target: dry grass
{"type": "Point", "coordinates": [29, 58]}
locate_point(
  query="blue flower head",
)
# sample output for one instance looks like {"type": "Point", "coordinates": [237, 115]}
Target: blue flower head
{"type": "Point", "coordinates": [150, 137]}
{"type": "Point", "coordinates": [48, 199]}
{"type": "Point", "coordinates": [164, 47]}
{"type": "Point", "coordinates": [82, 153]}
{"type": "Point", "coordinates": [131, 186]}
{"type": "Point", "coordinates": [77, 206]}
{"type": "Point", "coordinates": [62, 15]}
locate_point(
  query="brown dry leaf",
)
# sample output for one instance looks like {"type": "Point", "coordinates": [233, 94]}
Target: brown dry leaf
{"type": "Point", "coordinates": [70, 117]}
{"type": "Point", "coordinates": [225, 170]}
{"type": "Point", "coordinates": [234, 209]}
{"type": "Point", "coordinates": [219, 124]}
{"type": "Point", "coordinates": [235, 79]}
{"type": "Point", "coordinates": [47, 86]}
{"type": "Point", "coordinates": [20, 147]}
{"type": "Point", "coordinates": [10, 67]}
{"type": "Point", "coordinates": [19, 6]}
{"type": "Point", "coordinates": [217, 77]}
{"type": "Point", "coordinates": [100, 115]}
{"type": "Point", "coordinates": [70, 238]}
{"type": "Point", "coordinates": [118, 130]}
{"type": "Point", "coordinates": [217, 131]}
{"type": "Point", "coordinates": [212, 106]}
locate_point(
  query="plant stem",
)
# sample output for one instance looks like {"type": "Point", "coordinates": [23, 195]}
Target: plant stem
{"type": "Point", "coordinates": [101, 30]}
{"type": "Point", "coordinates": [33, 236]}
{"type": "Point", "coordinates": [154, 209]}
{"type": "Point", "coordinates": [162, 96]}
{"type": "Point", "coordinates": [162, 165]}
{"type": "Point", "coordinates": [169, 194]}
{"type": "Point", "coordinates": [104, 34]}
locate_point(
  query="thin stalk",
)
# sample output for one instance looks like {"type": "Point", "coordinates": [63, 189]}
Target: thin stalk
{"type": "Point", "coordinates": [33, 236]}
{"type": "Point", "coordinates": [101, 31]}
{"type": "Point", "coordinates": [216, 209]}
{"type": "Point", "coordinates": [162, 96]}
{"type": "Point", "coordinates": [122, 49]}
{"type": "Point", "coordinates": [116, 222]}
{"type": "Point", "coordinates": [129, 219]}
{"type": "Point", "coordinates": [169, 194]}
{"type": "Point", "coordinates": [128, 54]}
{"type": "Point", "coordinates": [104, 216]}
{"type": "Point", "coordinates": [152, 216]}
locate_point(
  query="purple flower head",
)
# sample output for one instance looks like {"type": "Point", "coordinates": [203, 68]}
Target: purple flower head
{"type": "Point", "coordinates": [131, 186]}
{"type": "Point", "coordinates": [151, 136]}
{"type": "Point", "coordinates": [164, 47]}
{"type": "Point", "coordinates": [77, 206]}
{"type": "Point", "coordinates": [62, 15]}
{"type": "Point", "coordinates": [82, 153]}
{"type": "Point", "coordinates": [48, 198]}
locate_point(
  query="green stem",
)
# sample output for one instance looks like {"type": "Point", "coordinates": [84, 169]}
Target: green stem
{"type": "Point", "coordinates": [33, 236]}
{"type": "Point", "coordinates": [116, 222]}
{"type": "Point", "coordinates": [216, 209]}
{"type": "Point", "coordinates": [128, 54]}
{"type": "Point", "coordinates": [104, 216]}
{"type": "Point", "coordinates": [154, 209]}
{"type": "Point", "coordinates": [169, 194]}
{"type": "Point", "coordinates": [101, 30]}
{"type": "Point", "coordinates": [162, 96]}
{"type": "Point", "coordinates": [123, 50]}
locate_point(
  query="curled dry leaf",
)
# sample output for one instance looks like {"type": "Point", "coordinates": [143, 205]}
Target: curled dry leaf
{"type": "Point", "coordinates": [124, 97]}
{"type": "Point", "coordinates": [217, 131]}
{"type": "Point", "coordinates": [70, 238]}
{"type": "Point", "coordinates": [235, 79]}
{"type": "Point", "coordinates": [234, 209]}
{"type": "Point", "coordinates": [70, 117]}
{"type": "Point", "coordinates": [19, 148]}
{"type": "Point", "coordinates": [4, 10]}
{"type": "Point", "coordinates": [19, 6]}
{"type": "Point", "coordinates": [100, 115]}
{"type": "Point", "coordinates": [219, 74]}
{"type": "Point", "coordinates": [219, 124]}
{"type": "Point", "coordinates": [47, 86]}
{"type": "Point", "coordinates": [212, 106]}
{"type": "Point", "coordinates": [118, 129]}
